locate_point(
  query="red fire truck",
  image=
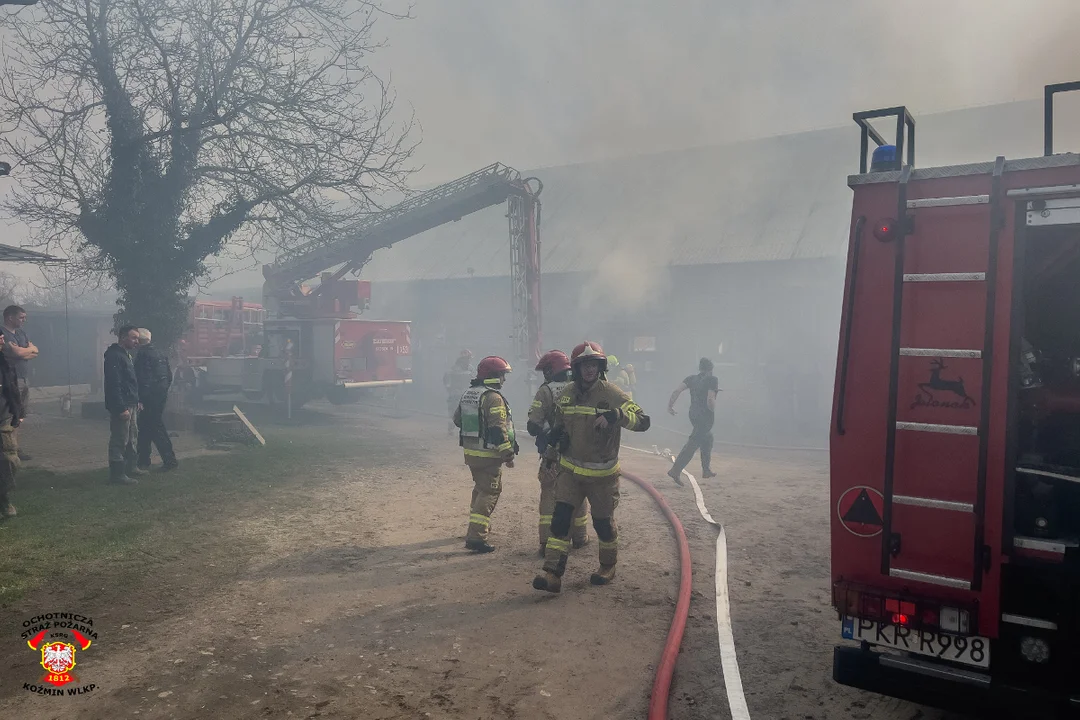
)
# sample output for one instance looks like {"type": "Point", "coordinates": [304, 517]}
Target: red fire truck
{"type": "Point", "coordinates": [218, 328]}
{"type": "Point", "coordinates": [314, 345]}
{"type": "Point", "coordinates": [955, 445]}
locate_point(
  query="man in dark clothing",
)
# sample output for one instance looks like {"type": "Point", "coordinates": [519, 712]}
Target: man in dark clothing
{"type": "Point", "coordinates": [122, 402]}
{"type": "Point", "coordinates": [155, 376]}
{"type": "Point", "coordinates": [19, 350]}
{"type": "Point", "coordinates": [703, 388]}
{"type": "Point", "coordinates": [10, 418]}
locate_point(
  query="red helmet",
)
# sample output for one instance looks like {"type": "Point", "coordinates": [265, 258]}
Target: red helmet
{"type": "Point", "coordinates": [589, 350]}
{"type": "Point", "coordinates": [553, 361]}
{"type": "Point", "coordinates": [491, 367]}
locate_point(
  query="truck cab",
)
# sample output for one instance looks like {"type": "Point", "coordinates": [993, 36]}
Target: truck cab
{"type": "Point", "coordinates": [955, 440]}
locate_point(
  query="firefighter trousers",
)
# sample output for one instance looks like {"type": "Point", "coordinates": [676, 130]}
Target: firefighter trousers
{"type": "Point", "coordinates": [571, 490]}
{"type": "Point", "coordinates": [579, 530]}
{"type": "Point", "coordinates": [487, 486]}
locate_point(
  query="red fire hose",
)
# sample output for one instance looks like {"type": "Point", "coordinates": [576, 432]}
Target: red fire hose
{"type": "Point", "coordinates": [662, 685]}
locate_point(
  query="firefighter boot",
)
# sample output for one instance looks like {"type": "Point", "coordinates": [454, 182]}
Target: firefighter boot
{"type": "Point", "coordinates": [550, 578]}
{"type": "Point", "coordinates": [608, 534]}
{"type": "Point", "coordinates": [558, 547]}
{"type": "Point", "coordinates": [476, 537]}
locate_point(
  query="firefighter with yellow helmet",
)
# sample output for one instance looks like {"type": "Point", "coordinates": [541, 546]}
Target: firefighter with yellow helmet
{"type": "Point", "coordinates": [556, 369]}
{"type": "Point", "coordinates": [620, 376]}
{"type": "Point", "coordinates": [590, 414]}
{"type": "Point", "coordinates": [486, 433]}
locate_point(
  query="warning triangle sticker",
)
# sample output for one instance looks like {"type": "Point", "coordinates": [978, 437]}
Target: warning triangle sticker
{"type": "Point", "coordinates": [863, 511]}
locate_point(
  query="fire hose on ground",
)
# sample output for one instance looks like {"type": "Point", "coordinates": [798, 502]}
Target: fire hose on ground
{"type": "Point", "coordinates": [728, 661]}
{"type": "Point", "coordinates": [666, 669]}
{"type": "Point", "coordinates": [658, 699]}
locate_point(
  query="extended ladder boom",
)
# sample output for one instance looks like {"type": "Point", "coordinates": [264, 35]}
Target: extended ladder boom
{"type": "Point", "coordinates": [449, 202]}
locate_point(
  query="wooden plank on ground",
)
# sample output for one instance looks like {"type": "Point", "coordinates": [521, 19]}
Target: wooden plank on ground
{"type": "Point", "coordinates": [243, 419]}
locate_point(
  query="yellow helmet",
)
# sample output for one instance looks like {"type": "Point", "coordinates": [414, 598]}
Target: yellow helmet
{"type": "Point", "coordinates": [612, 361]}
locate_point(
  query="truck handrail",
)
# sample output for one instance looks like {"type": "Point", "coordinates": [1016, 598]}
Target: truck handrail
{"type": "Point", "coordinates": [845, 352]}
{"type": "Point", "coordinates": [903, 119]}
{"type": "Point", "coordinates": [1048, 113]}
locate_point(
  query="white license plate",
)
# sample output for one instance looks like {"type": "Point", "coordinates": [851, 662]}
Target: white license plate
{"type": "Point", "coordinates": [972, 650]}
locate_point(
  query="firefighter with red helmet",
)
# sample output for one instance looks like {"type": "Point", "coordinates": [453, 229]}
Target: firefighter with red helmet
{"type": "Point", "coordinates": [589, 416]}
{"type": "Point", "coordinates": [486, 433]}
{"type": "Point", "coordinates": [556, 369]}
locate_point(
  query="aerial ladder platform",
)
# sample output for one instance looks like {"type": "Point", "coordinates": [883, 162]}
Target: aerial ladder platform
{"type": "Point", "coordinates": [449, 202]}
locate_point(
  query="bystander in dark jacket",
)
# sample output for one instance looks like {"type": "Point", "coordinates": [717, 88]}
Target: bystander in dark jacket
{"type": "Point", "coordinates": [155, 376]}
{"type": "Point", "coordinates": [122, 402]}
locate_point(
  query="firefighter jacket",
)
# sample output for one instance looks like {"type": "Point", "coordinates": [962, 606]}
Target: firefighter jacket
{"type": "Point", "coordinates": [456, 379]}
{"type": "Point", "coordinates": [584, 448]}
{"type": "Point", "coordinates": [486, 426]}
{"type": "Point", "coordinates": [622, 378]}
{"type": "Point", "coordinates": [542, 416]}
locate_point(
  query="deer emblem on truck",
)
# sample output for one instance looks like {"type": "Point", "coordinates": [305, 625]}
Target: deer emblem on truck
{"type": "Point", "coordinates": [937, 384]}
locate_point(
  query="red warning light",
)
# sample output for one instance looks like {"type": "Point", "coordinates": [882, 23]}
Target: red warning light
{"type": "Point", "coordinates": [883, 230]}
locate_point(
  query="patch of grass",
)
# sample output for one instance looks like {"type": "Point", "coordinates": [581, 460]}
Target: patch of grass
{"type": "Point", "coordinates": [67, 523]}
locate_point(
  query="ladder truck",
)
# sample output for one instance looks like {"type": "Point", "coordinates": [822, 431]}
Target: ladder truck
{"type": "Point", "coordinates": [955, 441]}
{"type": "Point", "coordinates": [314, 344]}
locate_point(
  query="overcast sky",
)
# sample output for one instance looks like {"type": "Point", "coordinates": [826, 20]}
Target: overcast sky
{"type": "Point", "coordinates": [534, 83]}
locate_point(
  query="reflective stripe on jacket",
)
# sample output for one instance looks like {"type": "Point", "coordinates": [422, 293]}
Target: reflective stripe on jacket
{"type": "Point", "coordinates": [486, 425]}
{"type": "Point", "coordinates": [593, 451]}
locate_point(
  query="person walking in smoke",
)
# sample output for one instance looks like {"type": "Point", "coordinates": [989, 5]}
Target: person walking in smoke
{"type": "Point", "coordinates": [703, 388]}
{"type": "Point", "coordinates": [456, 381]}
{"type": "Point", "coordinates": [589, 416]}
{"type": "Point", "coordinates": [122, 402]}
{"type": "Point", "coordinates": [486, 432]}
{"type": "Point", "coordinates": [155, 377]}
{"type": "Point", "coordinates": [556, 369]}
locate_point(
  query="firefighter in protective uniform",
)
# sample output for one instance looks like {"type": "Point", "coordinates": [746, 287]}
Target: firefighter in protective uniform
{"type": "Point", "coordinates": [619, 375]}
{"type": "Point", "coordinates": [486, 432]}
{"type": "Point", "coordinates": [456, 381]}
{"type": "Point", "coordinates": [556, 369]}
{"type": "Point", "coordinates": [589, 416]}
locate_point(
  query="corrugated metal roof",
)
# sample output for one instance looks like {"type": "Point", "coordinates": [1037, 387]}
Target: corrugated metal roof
{"type": "Point", "coordinates": [778, 198]}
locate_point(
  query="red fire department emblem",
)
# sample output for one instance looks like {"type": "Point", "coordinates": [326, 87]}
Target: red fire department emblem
{"type": "Point", "coordinates": [58, 659]}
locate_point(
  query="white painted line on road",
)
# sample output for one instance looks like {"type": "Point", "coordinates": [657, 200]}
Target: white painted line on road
{"type": "Point", "coordinates": [728, 660]}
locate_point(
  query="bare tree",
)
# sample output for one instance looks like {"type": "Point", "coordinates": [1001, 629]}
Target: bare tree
{"type": "Point", "coordinates": [149, 135]}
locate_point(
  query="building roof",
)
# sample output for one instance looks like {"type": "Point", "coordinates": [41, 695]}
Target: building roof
{"type": "Point", "coordinates": [768, 199]}
{"type": "Point", "coordinates": [778, 198]}
{"type": "Point", "coordinates": [14, 254]}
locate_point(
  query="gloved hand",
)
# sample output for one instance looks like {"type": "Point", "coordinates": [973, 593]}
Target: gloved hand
{"type": "Point", "coordinates": [534, 428]}
{"type": "Point", "coordinates": [612, 416]}
{"type": "Point", "coordinates": [541, 442]}
{"type": "Point", "coordinates": [517, 448]}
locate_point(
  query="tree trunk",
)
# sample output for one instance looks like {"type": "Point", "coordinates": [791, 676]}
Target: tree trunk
{"type": "Point", "coordinates": [154, 299]}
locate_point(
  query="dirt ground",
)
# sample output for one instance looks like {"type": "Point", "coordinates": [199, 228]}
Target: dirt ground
{"type": "Point", "coordinates": [348, 594]}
